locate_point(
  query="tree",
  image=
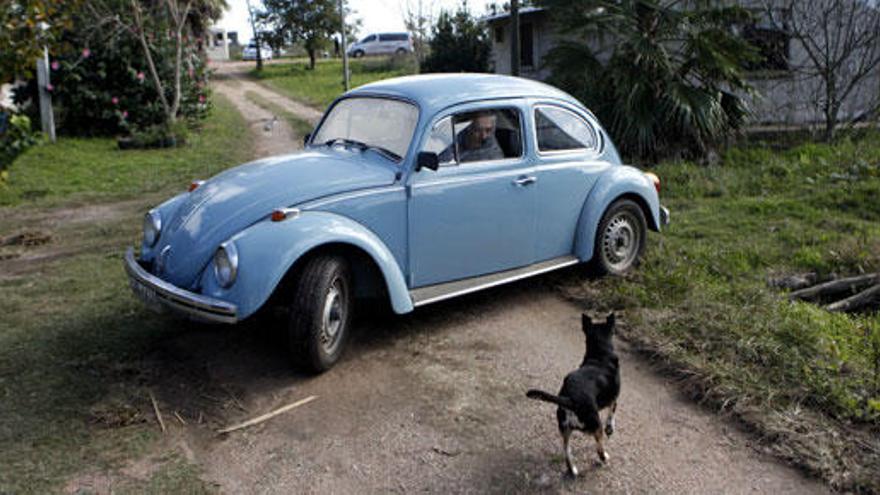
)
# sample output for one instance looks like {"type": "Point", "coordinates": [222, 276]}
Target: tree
{"type": "Point", "coordinates": [165, 31]}
{"type": "Point", "coordinates": [26, 27]}
{"type": "Point", "coordinates": [418, 17]}
{"type": "Point", "coordinates": [662, 77]}
{"type": "Point", "coordinates": [311, 21]}
{"type": "Point", "coordinates": [840, 40]}
{"type": "Point", "coordinates": [460, 43]}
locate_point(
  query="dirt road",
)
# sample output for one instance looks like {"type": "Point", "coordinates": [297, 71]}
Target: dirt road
{"type": "Point", "coordinates": [435, 402]}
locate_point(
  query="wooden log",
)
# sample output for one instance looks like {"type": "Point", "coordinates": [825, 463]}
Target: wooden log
{"type": "Point", "coordinates": [835, 287]}
{"type": "Point", "coordinates": [158, 413]}
{"type": "Point", "coordinates": [264, 417]}
{"type": "Point", "coordinates": [857, 301]}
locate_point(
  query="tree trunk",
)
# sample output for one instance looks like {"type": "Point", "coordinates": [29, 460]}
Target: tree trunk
{"type": "Point", "coordinates": [312, 55]}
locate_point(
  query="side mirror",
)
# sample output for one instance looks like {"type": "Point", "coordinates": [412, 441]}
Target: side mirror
{"type": "Point", "coordinates": [427, 159]}
{"type": "Point", "coordinates": [306, 139]}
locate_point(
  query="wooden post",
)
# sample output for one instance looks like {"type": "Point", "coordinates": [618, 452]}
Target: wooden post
{"type": "Point", "coordinates": [514, 37]}
{"type": "Point", "coordinates": [47, 118]}
{"type": "Point", "coordinates": [345, 75]}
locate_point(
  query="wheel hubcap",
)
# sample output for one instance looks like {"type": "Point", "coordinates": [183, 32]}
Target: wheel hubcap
{"type": "Point", "coordinates": [333, 316]}
{"type": "Point", "coordinates": [620, 241]}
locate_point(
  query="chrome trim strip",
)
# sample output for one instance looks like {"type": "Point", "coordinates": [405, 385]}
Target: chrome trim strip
{"type": "Point", "coordinates": [189, 303]}
{"type": "Point", "coordinates": [516, 274]}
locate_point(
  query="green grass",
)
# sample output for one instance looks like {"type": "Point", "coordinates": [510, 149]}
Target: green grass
{"type": "Point", "coordinates": [702, 303]}
{"type": "Point", "coordinates": [94, 169]}
{"type": "Point", "coordinates": [320, 86]}
{"type": "Point", "coordinates": [299, 125]}
{"type": "Point", "coordinates": [77, 351]}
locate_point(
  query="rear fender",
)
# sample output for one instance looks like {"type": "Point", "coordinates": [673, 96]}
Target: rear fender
{"type": "Point", "coordinates": [616, 182]}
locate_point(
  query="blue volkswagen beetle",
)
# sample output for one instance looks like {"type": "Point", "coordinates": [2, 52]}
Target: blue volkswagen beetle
{"type": "Point", "coordinates": [414, 190]}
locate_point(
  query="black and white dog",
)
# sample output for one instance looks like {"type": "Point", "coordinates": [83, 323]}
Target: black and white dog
{"type": "Point", "coordinates": [587, 390]}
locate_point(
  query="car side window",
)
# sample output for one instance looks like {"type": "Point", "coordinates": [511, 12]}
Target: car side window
{"type": "Point", "coordinates": [561, 130]}
{"type": "Point", "coordinates": [485, 135]}
{"type": "Point", "coordinates": [369, 39]}
{"type": "Point", "coordinates": [440, 141]}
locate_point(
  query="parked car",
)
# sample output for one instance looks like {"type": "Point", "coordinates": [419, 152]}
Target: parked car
{"type": "Point", "coordinates": [411, 190]}
{"type": "Point", "coordinates": [250, 52]}
{"type": "Point", "coordinates": [382, 44]}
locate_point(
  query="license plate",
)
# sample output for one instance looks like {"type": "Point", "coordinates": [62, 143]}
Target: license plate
{"type": "Point", "coordinates": [147, 295]}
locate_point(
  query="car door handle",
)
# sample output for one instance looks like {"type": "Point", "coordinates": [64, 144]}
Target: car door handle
{"type": "Point", "coordinates": [525, 180]}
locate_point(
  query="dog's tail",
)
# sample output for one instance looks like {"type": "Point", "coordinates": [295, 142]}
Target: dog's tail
{"type": "Point", "coordinates": [544, 396]}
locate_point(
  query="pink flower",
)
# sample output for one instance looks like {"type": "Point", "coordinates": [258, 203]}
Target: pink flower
{"type": "Point", "coordinates": [86, 53]}
{"type": "Point", "coordinates": [191, 72]}
{"type": "Point", "coordinates": [49, 87]}
{"type": "Point", "coordinates": [114, 100]}
{"type": "Point", "coordinates": [56, 65]}
{"type": "Point", "coordinates": [202, 98]}
{"type": "Point", "coordinates": [125, 114]}
{"type": "Point", "coordinates": [140, 76]}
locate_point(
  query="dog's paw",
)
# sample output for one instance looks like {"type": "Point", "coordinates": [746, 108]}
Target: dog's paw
{"type": "Point", "coordinates": [603, 456]}
{"type": "Point", "coordinates": [609, 429]}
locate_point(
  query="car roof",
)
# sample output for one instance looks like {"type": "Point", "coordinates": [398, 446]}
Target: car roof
{"type": "Point", "coordinates": [434, 92]}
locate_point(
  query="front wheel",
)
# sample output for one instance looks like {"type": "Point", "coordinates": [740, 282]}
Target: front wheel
{"type": "Point", "coordinates": [620, 239]}
{"type": "Point", "coordinates": [320, 313]}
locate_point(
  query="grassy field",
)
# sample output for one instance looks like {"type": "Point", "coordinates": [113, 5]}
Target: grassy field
{"type": "Point", "coordinates": [77, 352]}
{"type": "Point", "coordinates": [94, 169]}
{"type": "Point", "coordinates": [320, 86]}
{"type": "Point", "coordinates": [807, 379]}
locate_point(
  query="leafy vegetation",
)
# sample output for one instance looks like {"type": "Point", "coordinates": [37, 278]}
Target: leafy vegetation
{"type": "Point", "coordinates": [15, 137]}
{"type": "Point", "coordinates": [77, 352]}
{"type": "Point", "coordinates": [807, 379]}
{"type": "Point", "coordinates": [321, 86]}
{"type": "Point", "coordinates": [81, 169]}
{"type": "Point", "coordinates": [460, 44]}
{"type": "Point", "coordinates": [670, 80]}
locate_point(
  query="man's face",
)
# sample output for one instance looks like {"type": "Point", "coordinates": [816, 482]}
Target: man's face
{"type": "Point", "coordinates": [484, 127]}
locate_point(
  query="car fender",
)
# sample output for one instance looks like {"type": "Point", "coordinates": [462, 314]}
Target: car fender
{"type": "Point", "coordinates": [267, 250]}
{"type": "Point", "coordinates": [621, 180]}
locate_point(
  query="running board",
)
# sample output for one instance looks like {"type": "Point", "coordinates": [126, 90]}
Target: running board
{"type": "Point", "coordinates": [434, 293]}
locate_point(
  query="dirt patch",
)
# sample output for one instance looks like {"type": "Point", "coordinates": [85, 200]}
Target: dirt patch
{"type": "Point", "coordinates": [27, 238]}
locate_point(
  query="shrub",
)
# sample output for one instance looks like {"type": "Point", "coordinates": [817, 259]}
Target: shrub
{"type": "Point", "coordinates": [15, 137]}
{"type": "Point", "coordinates": [460, 44]}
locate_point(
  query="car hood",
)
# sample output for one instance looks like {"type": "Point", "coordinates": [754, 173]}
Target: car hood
{"type": "Point", "coordinates": [241, 196]}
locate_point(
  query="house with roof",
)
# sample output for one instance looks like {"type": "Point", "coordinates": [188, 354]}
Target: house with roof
{"type": "Point", "coordinates": [785, 96]}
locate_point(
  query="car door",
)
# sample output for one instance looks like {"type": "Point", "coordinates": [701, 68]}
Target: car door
{"type": "Point", "coordinates": [568, 148]}
{"type": "Point", "coordinates": [476, 213]}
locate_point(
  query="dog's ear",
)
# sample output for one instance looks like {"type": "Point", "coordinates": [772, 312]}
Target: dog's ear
{"type": "Point", "coordinates": [586, 322]}
{"type": "Point", "coordinates": [610, 320]}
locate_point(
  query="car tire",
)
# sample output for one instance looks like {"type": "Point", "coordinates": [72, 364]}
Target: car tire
{"type": "Point", "coordinates": [620, 239]}
{"type": "Point", "coordinates": [401, 51]}
{"type": "Point", "coordinates": [358, 53]}
{"type": "Point", "coordinates": [320, 313]}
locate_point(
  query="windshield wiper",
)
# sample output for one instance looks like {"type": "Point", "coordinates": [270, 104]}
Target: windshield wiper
{"type": "Point", "coordinates": [363, 146]}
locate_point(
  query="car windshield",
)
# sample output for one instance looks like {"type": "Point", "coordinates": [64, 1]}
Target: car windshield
{"type": "Point", "coordinates": [383, 124]}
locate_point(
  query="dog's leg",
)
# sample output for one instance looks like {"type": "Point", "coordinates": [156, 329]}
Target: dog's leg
{"type": "Point", "coordinates": [600, 445]}
{"type": "Point", "coordinates": [566, 446]}
{"type": "Point", "coordinates": [609, 421]}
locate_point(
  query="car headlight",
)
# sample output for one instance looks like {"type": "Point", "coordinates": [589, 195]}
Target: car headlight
{"type": "Point", "coordinates": [152, 227]}
{"type": "Point", "coordinates": [226, 264]}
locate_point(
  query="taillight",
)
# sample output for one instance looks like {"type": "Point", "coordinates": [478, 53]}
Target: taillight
{"type": "Point", "coordinates": [655, 180]}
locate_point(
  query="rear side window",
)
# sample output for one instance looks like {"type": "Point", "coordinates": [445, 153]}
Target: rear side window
{"type": "Point", "coordinates": [561, 130]}
{"type": "Point", "coordinates": [393, 37]}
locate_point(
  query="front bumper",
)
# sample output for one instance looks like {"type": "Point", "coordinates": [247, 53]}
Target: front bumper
{"type": "Point", "coordinates": [664, 216]}
{"type": "Point", "coordinates": [158, 294]}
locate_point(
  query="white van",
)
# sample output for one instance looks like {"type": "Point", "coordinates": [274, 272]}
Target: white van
{"type": "Point", "coordinates": [382, 44]}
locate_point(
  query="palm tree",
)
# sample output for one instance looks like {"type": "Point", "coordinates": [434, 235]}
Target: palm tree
{"type": "Point", "coordinates": [664, 76]}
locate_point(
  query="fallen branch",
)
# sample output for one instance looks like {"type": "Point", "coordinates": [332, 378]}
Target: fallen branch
{"type": "Point", "coordinates": [857, 301]}
{"type": "Point", "coordinates": [179, 418]}
{"type": "Point", "coordinates": [835, 287]}
{"type": "Point", "coordinates": [264, 417]}
{"type": "Point", "coordinates": [156, 410]}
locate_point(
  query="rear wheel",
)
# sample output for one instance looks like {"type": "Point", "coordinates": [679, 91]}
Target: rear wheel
{"type": "Point", "coordinates": [620, 239]}
{"type": "Point", "coordinates": [401, 51]}
{"type": "Point", "coordinates": [320, 313]}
